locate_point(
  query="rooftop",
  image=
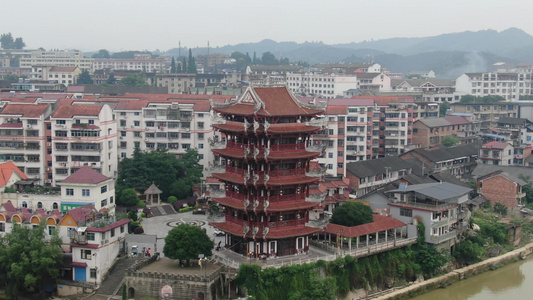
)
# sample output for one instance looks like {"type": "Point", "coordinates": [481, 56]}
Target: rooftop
{"type": "Point", "coordinates": [86, 175]}
{"type": "Point", "coordinates": [438, 190]}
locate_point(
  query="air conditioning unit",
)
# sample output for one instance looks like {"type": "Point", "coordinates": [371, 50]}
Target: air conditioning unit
{"type": "Point", "coordinates": [47, 169]}
{"type": "Point", "coordinates": [121, 137]}
{"type": "Point", "coordinates": [28, 126]}
{"type": "Point", "coordinates": [106, 241]}
{"type": "Point", "coordinates": [146, 140]}
{"type": "Point", "coordinates": [170, 140]}
{"type": "Point", "coordinates": [48, 144]}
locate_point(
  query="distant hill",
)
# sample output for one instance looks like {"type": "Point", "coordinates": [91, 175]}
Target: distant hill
{"type": "Point", "coordinates": [449, 55]}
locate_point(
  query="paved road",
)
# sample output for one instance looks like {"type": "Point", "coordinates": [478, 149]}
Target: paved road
{"type": "Point", "coordinates": [162, 224]}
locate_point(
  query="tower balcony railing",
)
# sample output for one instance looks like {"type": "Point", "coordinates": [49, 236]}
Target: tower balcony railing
{"type": "Point", "coordinates": [235, 220]}
{"type": "Point", "coordinates": [287, 147]}
{"type": "Point", "coordinates": [283, 198]}
{"type": "Point", "coordinates": [288, 223]}
{"type": "Point", "coordinates": [235, 170]}
{"type": "Point", "coordinates": [235, 195]}
{"type": "Point", "coordinates": [288, 172]}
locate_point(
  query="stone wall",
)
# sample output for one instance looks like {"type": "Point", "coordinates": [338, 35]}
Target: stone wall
{"type": "Point", "coordinates": [141, 285]}
{"type": "Point", "coordinates": [457, 275]}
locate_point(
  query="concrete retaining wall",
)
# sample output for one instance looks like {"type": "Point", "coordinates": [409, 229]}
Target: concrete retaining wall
{"type": "Point", "coordinates": [457, 275]}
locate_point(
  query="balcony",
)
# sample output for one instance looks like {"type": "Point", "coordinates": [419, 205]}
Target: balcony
{"type": "Point", "coordinates": [436, 239]}
{"type": "Point", "coordinates": [288, 223]}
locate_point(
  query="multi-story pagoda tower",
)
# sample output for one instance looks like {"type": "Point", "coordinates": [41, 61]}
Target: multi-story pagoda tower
{"type": "Point", "coordinates": [264, 164]}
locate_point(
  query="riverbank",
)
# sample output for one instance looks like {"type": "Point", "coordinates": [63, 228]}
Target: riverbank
{"type": "Point", "coordinates": [458, 275]}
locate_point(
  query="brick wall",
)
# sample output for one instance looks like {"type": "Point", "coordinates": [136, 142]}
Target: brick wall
{"type": "Point", "coordinates": [499, 189]}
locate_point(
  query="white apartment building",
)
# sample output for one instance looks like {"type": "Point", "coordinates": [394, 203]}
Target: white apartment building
{"type": "Point", "coordinates": [56, 58]}
{"type": "Point", "coordinates": [87, 186]}
{"type": "Point", "coordinates": [174, 125]}
{"type": "Point", "coordinates": [176, 83]}
{"type": "Point", "coordinates": [83, 135]}
{"type": "Point", "coordinates": [22, 138]}
{"type": "Point", "coordinates": [140, 62]}
{"type": "Point", "coordinates": [508, 85]}
{"type": "Point", "coordinates": [335, 85]}
{"type": "Point", "coordinates": [63, 75]}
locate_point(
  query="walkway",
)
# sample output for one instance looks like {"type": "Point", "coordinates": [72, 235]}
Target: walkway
{"type": "Point", "coordinates": [161, 210]}
{"type": "Point", "coordinates": [112, 283]}
{"type": "Point", "coordinates": [234, 260]}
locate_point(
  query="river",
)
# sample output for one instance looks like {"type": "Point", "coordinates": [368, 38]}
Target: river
{"type": "Point", "coordinates": [513, 282]}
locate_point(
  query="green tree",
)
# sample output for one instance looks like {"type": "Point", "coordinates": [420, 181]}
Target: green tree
{"type": "Point", "coordinates": [84, 78]}
{"type": "Point", "coordinates": [102, 53]}
{"type": "Point", "coordinates": [173, 66]}
{"type": "Point", "coordinates": [6, 41]}
{"type": "Point", "coordinates": [468, 252]}
{"type": "Point", "coordinates": [27, 261]}
{"type": "Point", "coordinates": [500, 209]}
{"type": "Point", "coordinates": [484, 99]}
{"type": "Point", "coordinates": [449, 141]}
{"type": "Point", "coordinates": [19, 43]}
{"type": "Point", "coordinates": [162, 168]}
{"type": "Point", "coordinates": [256, 60]}
{"type": "Point", "coordinates": [352, 214]}
{"type": "Point", "coordinates": [186, 242]}
{"type": "Point", "coordinates": [269, 59]}
{"type": "Point", "coordinates": [172, 199]}
{"type": "Point", "coordinates": [443, 108]}
{"type": "Point", "coordinates": [184, 66]}
{"type": "Point", "coordinates": [191, 64]}
{"type": "Point", "coordinates": [128, 197]}
{"type": "Point", "coordinates": [429, 259]}
{"type": "Point", "coordinates": [111, 79]}
{"type": "Point", "coordinates": [136, 79]}
{"type": "Point", "coordinates": [11, 78]}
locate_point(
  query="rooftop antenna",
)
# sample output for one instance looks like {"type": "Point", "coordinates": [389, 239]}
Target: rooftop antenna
{"type": "Point", "coordinates": [179, 48]}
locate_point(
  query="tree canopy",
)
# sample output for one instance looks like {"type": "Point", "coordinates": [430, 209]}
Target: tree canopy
{"type": "Point", "coordinates": [450, 141]}
{"type": "Point", "coordinates": [84, 78]}
{"type": "Point", "coordinates": [484, 99]}
{"type": "Point", "coordinates": [191, 64]}
{"type": "Point", "coordinates": [27, 261]}
{"type": "Point", "coordinates": [8, 42]}
{"type": "Point", "coordinates": [102, 53]}
{"type": "Point", "coordinates": [352, 214]}
{"type": "Point", "coordinates": [443, 108]}
{"type": "Point", "coordinates": [111, 79]}
{"type": "Point", "coordinates": [269, 59]}
{"type": "Point", "coordinates": [128, 197]}
{"type": "Point", "coordinates": [173, 66]}
{"type": "Point", "coordinates": [137, 79]}
{"type": "Point", "coordinates": [173, 176]}
{"type": "Point", "coordinates": [186, 242]}
{"type": "Point", "coordinates": [128, 54]}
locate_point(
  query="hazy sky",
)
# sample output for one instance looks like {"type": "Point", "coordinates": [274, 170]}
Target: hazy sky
{"type": "Point", "coordinates": [138, 25]}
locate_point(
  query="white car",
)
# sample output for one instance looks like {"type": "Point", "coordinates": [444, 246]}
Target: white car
{"type": "Point", "coordinates": [219, 232]}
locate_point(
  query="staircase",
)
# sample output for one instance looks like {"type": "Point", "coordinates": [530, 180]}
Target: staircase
{"type": "Point", "coordinates": [112, 283]}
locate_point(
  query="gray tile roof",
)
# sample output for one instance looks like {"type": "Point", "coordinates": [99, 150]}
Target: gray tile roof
{"type": "Point", "coordinates": [435, 122]}
{"type": "Point", "coordinates": [442, 154]}
{"type": "Point", "coordinates": [512, 121]}
{"type": "Point", "coordinates": [438, 190]}
{"type": "Point", "coordinates": [373, 167]}
{"type": "Point", "coordinates": [483, 170]}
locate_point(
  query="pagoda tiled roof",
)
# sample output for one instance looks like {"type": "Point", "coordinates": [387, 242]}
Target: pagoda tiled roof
{"type": "Point", "coordinates": [277, 155]}
{"type": "Point", "coordinates": [272, 207]}
{"type": "Point", "coordinates": [273, 233]}
{"type": "Point", "coordinates": [273, 181]}
{"type": "Point", "coordinates": [274, 101]}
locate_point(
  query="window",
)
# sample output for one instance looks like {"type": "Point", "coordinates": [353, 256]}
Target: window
{"type": "Point", "coordinates": [55, 206]}
{"type": "Point", "coordinates": [330, 154]}
{"type": "Point", "coordinates": [200, 146]}
{"type": "Point", "coordinates": [111, 199]}
{"type": "Point", "coordinates": [113, 232]}
{"type": "Point", "coordinates": [341, 153]}
{"type": "Point", "coordinates": [330, 166]}
{"type": "Point", "coordinates": [90, 236]}
{"type": "Point", "coordinates": [91, 122]}
{"type": "Point", "coordinates": [2, 227]}
{"type": "Point", "coordinates": [103, 203]}
{"type": "Point", "coordinates": [103, 189]}
{"type": "Point", "coordinates": [122, 123]}
{"type": "Point", "coordinates": [51, 230]}
{"type": "Point", "coordinates": [60, 122]}
{"type": "Point", "coordinates": [93, 273]}
{"type": "Point", "coordinates": [123, 133]}
{"type": "Point", "coordinates": [39, 205]}
{"type": "Point", "coordinates": [85, 192]}
{"type": "Point", "coordinates": [406, 212]}
{"type": "Point", "coordinates": [85, 254]}
{"type": "Point", "coordinates": [136, 113]}
{"type": "Point", "coordinates": [136, 123]}
{"type": "Point", "coordinates": [122, 229]}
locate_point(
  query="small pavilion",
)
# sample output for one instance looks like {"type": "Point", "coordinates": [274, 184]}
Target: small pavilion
{"type": "Point", "coordinates": [382, 230]}
{"type": "Point", "coordinates": [151, 193]}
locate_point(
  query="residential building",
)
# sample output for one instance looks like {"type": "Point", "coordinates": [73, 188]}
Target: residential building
{"type": "Point", "coordinates": [22, 132]}
{"type": "Point", "coordinates": [367, 176]}
{"type": "Point", "coordinates": [487, 114]}
{"type": "Point", "coordinates": [211, 60]}
{"type": "Point", "coordinates": [423, 110]}
{"type": "Point", "coordinates": [82, 135]}
{"type": "Point", "coordinates": [430, 132]}
{"type": "Point", "coordinates": [509, 85]}
{"type": "Point", "coordinates": [265, 168]}
{"type": "Point", "coordinates": [440, 206]}
{"type": "Point", "coordinates": [458, 160]}
{"type": "Point", "coordinates": [502, 187]}
{"type": "Point", "coordinates": [497, 153]}
{"type": "Point", "coordinates": [56, 59]}
{"type": "Point", "coordinates": [176, 83]}
{"type": "Point", "coordinates": [87, 186]}
{"type": "Point", "coordinates": [140, 62]}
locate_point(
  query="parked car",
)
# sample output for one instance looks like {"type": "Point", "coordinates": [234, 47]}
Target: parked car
{"type": "Point", "coordinates": [199, 211]}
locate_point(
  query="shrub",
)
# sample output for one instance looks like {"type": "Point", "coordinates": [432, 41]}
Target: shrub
{"type": "Point", "coordinates": [500, 209]}
{"type": "Point", "coordinates": [186, 209]}
{"type": "Point", "coordinates": [138, 230]}
{"type": "Point", "coordinates": [10, 190]}
{"type": "Point", "coordinates": [141, 204]}
{"type": "Point", "coordinates": [172, 200]}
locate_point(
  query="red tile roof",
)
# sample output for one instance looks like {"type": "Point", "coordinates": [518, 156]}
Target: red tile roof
{"type": "Point", "coordinates": [80, 213]}
{"type": "Point", "coordinates": [6, 171]}
{"type": "Point", "coordinates": [109, 227]}
{"type": "Point", "coordinates": [86, 175]}
{"type": "Point", "coordinates": [26, 110]}
{"type": "Point", "coordinates": [380, 223]}
{"type": "Point", "coordinates": [337, 110]}
{"type": "Point", "coordinates": [8, 206]}
{"type": "Point", "coordinates": [286, 232]}
{"type": "Point", "coordinates": [69, 111]}
{"type": "Point", "coordinates": [495, 145]}
{"type": "Point", "coordinates": [278, 101]}
{"type": "Point", "coordinates": [385, 100]}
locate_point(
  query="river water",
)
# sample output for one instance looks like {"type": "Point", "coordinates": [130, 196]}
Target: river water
{"type": "Point", "coordinates": [512, 282]}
